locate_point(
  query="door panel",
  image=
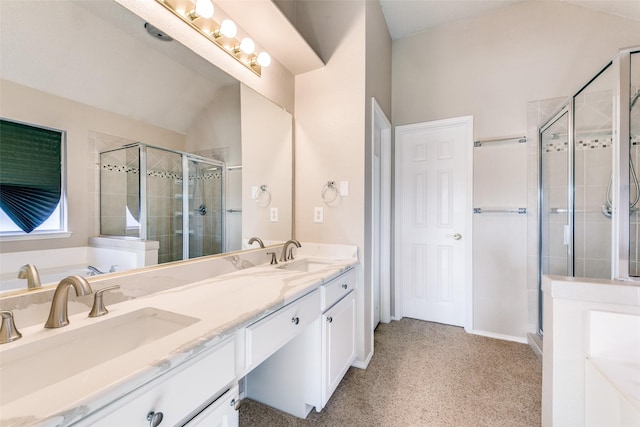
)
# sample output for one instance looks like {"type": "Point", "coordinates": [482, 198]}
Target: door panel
{"type": "Point", "coordinates": [433, 176]}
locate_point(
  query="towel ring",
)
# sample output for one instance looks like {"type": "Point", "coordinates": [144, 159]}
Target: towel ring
{"type": "Point", "coordinates": [329, 192]}
{"type": "Point", "coordinates": [263, 196]}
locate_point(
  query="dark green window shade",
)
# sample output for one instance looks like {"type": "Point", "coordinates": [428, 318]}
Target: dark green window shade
{"type": "Point", "coordinates": [30, 173]}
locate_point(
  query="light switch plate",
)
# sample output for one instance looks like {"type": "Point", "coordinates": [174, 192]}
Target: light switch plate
{"type": "Point", "coordinates": [274, 215]}
{"type": "Point", "coordinates": [318, 214]}
{"type": "Point", "coordinates": [254, 191]}
{"type": "Point", "coordinates": [344, 188]}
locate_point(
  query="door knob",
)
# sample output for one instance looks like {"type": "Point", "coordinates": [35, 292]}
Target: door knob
{"type": "Point", "coordinates": [456, 236]}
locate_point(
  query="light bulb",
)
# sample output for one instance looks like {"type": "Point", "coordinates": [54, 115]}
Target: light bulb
{"type": "Point", "coordinates": [247, 45]}
{"type": "Point", "coordinates": [228, 28]}
{"type": "Point", "coordinates": [204, 8]}
{"type": "Point", "coordinates": [264, 59]}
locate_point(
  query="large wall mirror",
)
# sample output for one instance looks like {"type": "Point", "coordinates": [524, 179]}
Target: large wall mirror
{"type": "Point", "coordinates": [93, 70]}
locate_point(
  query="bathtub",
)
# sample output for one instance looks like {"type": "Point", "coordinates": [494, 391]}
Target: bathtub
{"type": "Point", "coordinates": [107, 254]}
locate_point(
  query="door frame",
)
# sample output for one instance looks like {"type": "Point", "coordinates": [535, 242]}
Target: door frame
{"type": "Point", "coordinates": [467, 122]}
{"type": "Point", "coordinates": [381, 122]}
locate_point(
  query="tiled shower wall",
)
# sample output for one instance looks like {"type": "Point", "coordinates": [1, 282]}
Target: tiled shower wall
{"type": "Point", "coordinates": [164, 203]}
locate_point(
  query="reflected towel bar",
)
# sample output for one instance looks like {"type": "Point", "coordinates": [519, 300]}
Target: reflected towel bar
{"type": "Point", "coordinates": [497, 210]}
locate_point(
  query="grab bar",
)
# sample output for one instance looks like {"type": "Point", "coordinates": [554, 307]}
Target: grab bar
{"type": "Point", "coordinates": [498, 210]}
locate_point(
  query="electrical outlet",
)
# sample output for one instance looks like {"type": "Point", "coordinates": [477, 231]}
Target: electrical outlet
{"type": "Point", "coordinates": [274, 215]}
{"type": "Point", "coordinates": [318, 214]}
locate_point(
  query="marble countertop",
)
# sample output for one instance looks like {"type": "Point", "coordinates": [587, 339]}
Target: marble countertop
{"type": "Point", "coordinates": [222, 305]}
{"type": "Point", "coordinates": [592, 290]}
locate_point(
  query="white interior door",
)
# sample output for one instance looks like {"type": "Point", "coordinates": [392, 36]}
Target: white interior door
{"type": "Point", "coordinates": [433, 196]}
{"type": "Point", "coordinates": [381, 216]}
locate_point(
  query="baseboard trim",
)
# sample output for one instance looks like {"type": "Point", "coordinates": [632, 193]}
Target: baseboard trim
{"type": "Point", "coordinates": [521, 340]}
{"type": "Point", "coordinates": [536, 343]}
{"type": "Point", "coordinates": [362, 364]}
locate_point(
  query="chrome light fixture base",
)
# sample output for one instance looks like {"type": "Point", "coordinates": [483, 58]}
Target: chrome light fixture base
{"type": "Point", "coordinates": [214, 35]}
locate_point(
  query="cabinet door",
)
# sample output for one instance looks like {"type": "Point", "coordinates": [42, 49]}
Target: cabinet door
{"type": "Point", "coordinates": [221, 413]}
{"type": "Point", "coordinates": [176, 394]}
{"type": "Point", "coordinates": [338, 344]}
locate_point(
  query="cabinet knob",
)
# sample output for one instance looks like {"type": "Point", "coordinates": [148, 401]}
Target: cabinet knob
{"type": "Point", "coordinates": [329, 319]}
{"type": "Point", "coordinates": [295, 320]}
{"type": "Point", "coordinates": [235, 404]}
{"type": "Point", "coordinates": [154, 418]}
{"type": "Point", "coordinates": [345, 286]}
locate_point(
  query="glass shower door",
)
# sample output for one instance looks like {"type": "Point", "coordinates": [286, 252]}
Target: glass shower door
{"type": "Point", "coordinates": [205, 207]}
{"type": "Point", "coordinates": [556, 244]}
{"type": "Point", "coordinates": [593, 154]}
{"type": "Point", "coordinates": [120, 210]}
{"type": "Point", "coordinates": [634, 166]}
{"type": "Point", "coordinates": [555, 202]}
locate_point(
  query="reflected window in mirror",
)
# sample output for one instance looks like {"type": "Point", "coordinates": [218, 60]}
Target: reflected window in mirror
{"type": "Point", "coordinates": [31, 180]}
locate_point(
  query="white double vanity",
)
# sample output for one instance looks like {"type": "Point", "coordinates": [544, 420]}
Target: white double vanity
{"type": "Point", "coordinates": [186, 354]}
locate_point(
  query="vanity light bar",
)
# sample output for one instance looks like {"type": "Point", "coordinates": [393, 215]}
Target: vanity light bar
{"type": "Point", "coordinates": [222, 35]}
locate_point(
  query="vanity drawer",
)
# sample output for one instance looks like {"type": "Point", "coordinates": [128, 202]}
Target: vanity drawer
{"type": "Point", "coordinates": [266, 336]}
{"type": "Point", "coordinates": [177, 394]}
{"type": "Point", "coordinates": [337, 288]}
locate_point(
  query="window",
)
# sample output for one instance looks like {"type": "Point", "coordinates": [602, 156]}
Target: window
{"type": "Point", "coordinates": [31, 179]}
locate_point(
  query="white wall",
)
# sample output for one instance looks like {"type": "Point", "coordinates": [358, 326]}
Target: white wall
{"type": "Point", "coordinates": [378, 86]}
{"type": "Point", "coordinates": [81, 123]}
{"type": "Point", "coordinates": [332, 105]}
{"type": "Point", "coordinates": [491, 67]}
{"type": "Point", "coordinates": [329, 133]}
{"type": "Point", "coordinates": [267, 150]}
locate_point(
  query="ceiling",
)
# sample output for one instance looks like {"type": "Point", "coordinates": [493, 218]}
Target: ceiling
{"type": "Point", "coordinates": [406, 17]}
{"type": "Point", "coordinates": [99, 54]}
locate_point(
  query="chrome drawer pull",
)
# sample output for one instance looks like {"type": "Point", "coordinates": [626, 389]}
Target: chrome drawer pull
{"type": "Point", "coordinates": [329, 319]}
{"type": "Point", "coordinates": [295, 320]}
{"type": "Point", "coordinates": [154, 418]}
{"type": "Point", "coordinates": [344, 286]}
{"type": "Point", "coordinates": [235, 404]}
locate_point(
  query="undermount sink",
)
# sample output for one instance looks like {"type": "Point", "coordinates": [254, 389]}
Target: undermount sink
{"type": "Point", "coordinates": [33, 366]}
{"type": "Point", "coordinates": [307, 265]}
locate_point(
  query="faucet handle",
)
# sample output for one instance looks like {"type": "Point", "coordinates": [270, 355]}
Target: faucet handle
{"type": "Point", "coordinates": [99, 308]}
{"type": "Point", "coordinates": [274, 258]}
{"type": "Point", "coordinates": [8, 330]}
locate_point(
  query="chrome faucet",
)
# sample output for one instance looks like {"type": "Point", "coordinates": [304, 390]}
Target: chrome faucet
{"type": "Point", "coordinates": [289, 256]}
{"type": "Point", "coordinates": [30, 272]}
{"type": "Point", "coordinates": [93, 271]}
{"type": "Point", "coordinates": [256, 239]}
{"type": "Point", "coordinates": [8, 330]}
{"type": "Point", "coordinates": [58, 314]}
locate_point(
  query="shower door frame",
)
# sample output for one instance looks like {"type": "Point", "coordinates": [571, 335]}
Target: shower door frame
{"type": "Point", "coordinates": [186, 236]}
{"type": "Point", "coordinates": [620, 224]}
{"type": "Point", "coordinates": [621, 195]}
{"type": "Point", "coordinates": [567, 109]}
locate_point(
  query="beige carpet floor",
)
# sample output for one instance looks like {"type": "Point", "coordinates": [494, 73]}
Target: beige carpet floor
{"type": "Point", "coordinates": [428, 374]}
